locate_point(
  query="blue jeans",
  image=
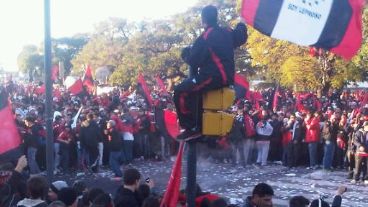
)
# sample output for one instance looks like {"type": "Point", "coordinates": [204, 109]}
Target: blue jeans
{"type": "Point", "coordinates": [312, 148]}
{"type": "Point", "coordinates": [128, 150]}
{"type": "Point", "coordinates": [32, 163]}
{"type": "Point", "coordinates": [328, 154]}
{"type": "Point", "coordinates": [64, 156]}
{"type": "Point", "coordinates": [114, 162]}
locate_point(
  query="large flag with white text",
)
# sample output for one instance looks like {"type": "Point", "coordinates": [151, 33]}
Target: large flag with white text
{"type": "Point", "coordinates": [334, 25]}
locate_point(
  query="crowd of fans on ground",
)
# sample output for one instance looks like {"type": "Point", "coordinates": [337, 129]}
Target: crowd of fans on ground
{"type": "Point", "coordinates": [114, 129]}
{"type": "Point", "coordinates": [37, 192]}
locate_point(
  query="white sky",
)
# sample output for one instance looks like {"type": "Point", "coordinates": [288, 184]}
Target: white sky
{"type": "Point", "coordinates": [21, 21]}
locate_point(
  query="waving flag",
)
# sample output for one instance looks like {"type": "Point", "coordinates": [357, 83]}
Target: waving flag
{"type": "Point", "coordinates": [9, 136]}
{"type": "Point", "coordinates": [241, 86]}
{"type": "Point", "coordinates": [334, 25]}
{"type": "Point", "coordinates": [171, 123]}
{"type": "Point", "coordinates": [88, 79]}
{"type": "Point", "coordinates": [145, 90]}
{"type": "Point", "coordinates": [74, 85]}
{"type": "Point", "coordinates": [171, 195]}
{"type": "Point", "coordinates": [161, 85]}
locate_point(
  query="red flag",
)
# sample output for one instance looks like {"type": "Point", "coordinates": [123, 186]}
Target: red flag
{"type": "Point", "coordinates": [241, 86]}
{"type": "Point", "coordinates": [275, 99]}
{"type": "Point", "coordinates": [73, 85]}
{"type": "Point", "coordinates": [9, 135]}
{"type": "Point", "coordinates": [256, 97]}
{"type": "Point", "coordinates": [171, 195]}
{"type": "Point", "coordinates": [298, 103]}
{"type": "Point", "coordinates": [54, 72]}
{"type": "Point", "coordinates": [161, 84]}
{"type": "Point", "coordinates": [145, 89]}
{"type": "Point", "coordinates": [171, 123]}
{"type": "Point", "coordinates": [88, 79]}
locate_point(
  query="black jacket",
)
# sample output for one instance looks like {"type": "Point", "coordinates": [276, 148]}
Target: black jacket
{"type": "Point", "coordinates": [115, 141]}
{"type": "Point", "coordinates": [126, 198]}
{"type": "Point", "coordinates": [89, 134]}
{"type": "Point", "coordinates": [13, 190]}
{"type": "Point", "coordinates": [213, 52]}
{"type": "Point", "coordinates": [360, 139]}
{"type": "Point", "coordinates": [33, 138]}
{"type": "Point", "coordinates": [237, 132]}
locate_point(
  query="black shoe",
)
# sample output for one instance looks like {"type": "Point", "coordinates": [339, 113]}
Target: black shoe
{"type": "Point", "coordinates": [188, 135]}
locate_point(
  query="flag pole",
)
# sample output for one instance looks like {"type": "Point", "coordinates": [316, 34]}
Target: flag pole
{"type": "Point", "coordinates": [48, 84]}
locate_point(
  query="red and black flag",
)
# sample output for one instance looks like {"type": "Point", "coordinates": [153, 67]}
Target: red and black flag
{"type": "Point", "coordinates": [161, 85]}
{"type": "Point", "coordinates": [334, 25]}
{"type": "Point", "coordinates": [241, 86]}
{"type": "Point", "coordinates": [171, 195]}
{"type": "Point", "coordinates": [142, 85]}
{"type": "Point", "coordinates": [9, 136]}
{"type": "Point", "coordinates": [88, 79]}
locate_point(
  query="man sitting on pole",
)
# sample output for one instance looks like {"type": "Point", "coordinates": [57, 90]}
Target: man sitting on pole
{"type": "Point", "coordinates": [211, 61]}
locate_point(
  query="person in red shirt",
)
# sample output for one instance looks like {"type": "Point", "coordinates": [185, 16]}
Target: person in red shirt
{"type": "Point", "coordinates": [312, 137]}
{"type": "Point", "coordinates": [65, 138]}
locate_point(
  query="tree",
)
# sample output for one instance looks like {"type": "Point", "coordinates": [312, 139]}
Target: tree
{"type": "Point", "coordinates": [301, 73]}
{"type": "Point", "coordinates": [154, 47]}
{"type": "Point", "coordinates": [30, 61]}
{"type": "Point", "coordinates": [65, 49]}
{"type": "Point", "coordinates": [105, 47]}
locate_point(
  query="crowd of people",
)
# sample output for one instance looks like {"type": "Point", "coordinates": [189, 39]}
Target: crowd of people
{"type": "Point", "coordinates": [35, 191]}
{"type": "Point", "coordinates": [115, 129]}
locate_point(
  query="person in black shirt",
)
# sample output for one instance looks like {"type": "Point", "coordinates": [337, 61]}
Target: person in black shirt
{"type": "Point", "coordinates": [127, 195]}
{"type": "Point", "coordinates": [211, 61]}
{"type": "Point", "coordinates": [115, 146]}
{"type": "Point", "coordinates": [33, 139]}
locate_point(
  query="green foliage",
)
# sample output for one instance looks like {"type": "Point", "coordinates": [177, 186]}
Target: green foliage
{"type": "Point", "coordinates": [65, 49]}
{"type": "Point", "coordinates": [154, 47]}
{"type": "Point", "coordinates": [300, 73]}
{"type": "Point", "coordinates": [30, 62]}
{"type": "Point", "coordinates": [291, 65]}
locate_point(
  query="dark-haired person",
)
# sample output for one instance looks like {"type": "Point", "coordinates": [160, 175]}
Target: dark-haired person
{"type": "Point", "coordinates": [261, 196]}
{"type": "Point", "coordinates": [102, 200]}
{"type": "Point", "coordinates": [32, 141]}
{"type": "Point", "coordinates": [89, 137]}
{"type": "Point", "coordinates": [127, 194]}
{"type": "Point", "coordinates": [312, 137]}
{"type": "Point", "coordinates": [65, 138]}
{"type": "Point", "coordinates": [14, 187]}
{"type": "Point", "coordinates": [151, 202]}
{"type": "Point", "coordinates": [37, 189]}
{"type": "Point", "coordinates": [211, 61]}
{"type": "Point", "coordinates": [68, 196]}
{"type": "Point", "coordinates": [336, 201]}
{"type": "Point", "coordinates": [298, 201]}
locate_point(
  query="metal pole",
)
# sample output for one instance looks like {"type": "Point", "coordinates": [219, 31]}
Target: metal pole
{"type": "Point", "coordinates": [191, 172]}
{"type": "Point", "coordinates": [48, 104]}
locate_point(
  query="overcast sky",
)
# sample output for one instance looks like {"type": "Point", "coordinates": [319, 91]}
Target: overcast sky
{"type": "Point", "coordinates": [21, 21]}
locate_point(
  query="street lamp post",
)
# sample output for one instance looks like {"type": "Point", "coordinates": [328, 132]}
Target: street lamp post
{"type": "Point", "coordinates": [48, 103]}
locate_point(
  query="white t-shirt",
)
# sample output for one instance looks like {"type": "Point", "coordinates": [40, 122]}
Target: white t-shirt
{"type": "Point", "coordinates": [128, 136]}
